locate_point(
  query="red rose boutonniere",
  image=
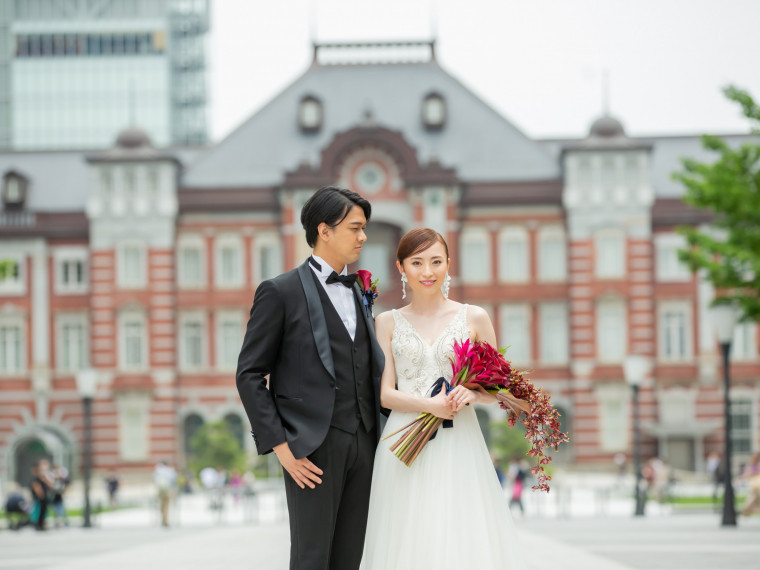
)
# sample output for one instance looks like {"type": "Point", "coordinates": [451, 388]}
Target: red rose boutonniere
{"type": "Point", "coordinates": [369, 289]}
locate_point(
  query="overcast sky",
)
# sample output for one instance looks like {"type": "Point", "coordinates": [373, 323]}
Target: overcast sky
{"type": "Point", "coordinates": [539, 62]}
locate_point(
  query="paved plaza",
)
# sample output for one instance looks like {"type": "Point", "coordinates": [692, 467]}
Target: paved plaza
{"type": "Point", "coordinates": [583, 530]}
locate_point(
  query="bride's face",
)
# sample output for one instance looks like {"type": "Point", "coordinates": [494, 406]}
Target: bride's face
{"type": "Point", "coordinates": [426, 270]}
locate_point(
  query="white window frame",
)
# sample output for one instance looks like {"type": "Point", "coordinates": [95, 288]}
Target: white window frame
{"type": "Point", "coordinates": [550, 270]}
{"type": "Point", "coordinates": [197, 318]}
{"type": "Point", "coordinates": [133, 316]}
{"type": "Point", "coordinates": [603, 268]}
{"type": "Point", "coordinates": [614, 418]}
{"type": "Point", "coordinates": [236, 319]}
{"type": "Point", "coordinates": [668, 267]}
{"type": "Point", "coordinates": [479, 237]}
{"type": "Point", "coordinates": [514, 269]}
{"type": "Point", "coordinates": [77, 319]}
{"type": "Point", "coordinates": [125, 278]}
{"type": "Point", "coordinates": [17, 321]}
{"type": "Point", "coordinates": [197, 243]}
{"type": "Point", "coordinates": [750, 398]}
{"type": "Point", "coordinates": [270, 241]}
{"type": "Point", "coordinates": [603, 354]}
{"type": "Point", "coordinates": [134, 436]}
{"type": "Point", "coordinates": [507, 334]}
{"type": "Point", "coordinates": [684, 307]}
{"type": "Point", "coordinates": [744, 345]}
{"type": "Point", "coordinates": [553, 318]}
{"type": "Point", "coordinates": [12, 287]}
{"type": "Point", "coordinates": [222, 242]}
{"type": "Point", "coordinates": [66, 255]}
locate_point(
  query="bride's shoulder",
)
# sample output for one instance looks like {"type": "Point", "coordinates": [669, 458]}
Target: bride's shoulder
{"type": "Point", "coordinates": [384, 325]}
{"type": "Point", "coordinates": [477, 314]}
{"type": "Point", "coordinates": [384, 319]}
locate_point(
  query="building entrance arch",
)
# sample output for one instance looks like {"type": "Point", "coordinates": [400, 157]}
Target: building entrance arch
{"type": "Point", "coordinates": [37, 443]}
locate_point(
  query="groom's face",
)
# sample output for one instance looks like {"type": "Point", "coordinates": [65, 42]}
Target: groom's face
{"type": "Point", "coordinates": [344, 241]}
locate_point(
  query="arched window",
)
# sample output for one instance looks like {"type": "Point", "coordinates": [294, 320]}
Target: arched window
{"type": "Point", "coordinates": [434, 112]}
{"type": "Point", "coordinates": [192, 424]}
{"type": "Point", "coordinates": [310, 114]}
{"type": "Point", "coordinates": [14, 191]}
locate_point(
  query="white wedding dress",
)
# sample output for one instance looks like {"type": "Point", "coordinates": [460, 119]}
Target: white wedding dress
{"type": "Point", "coordinates": [447, 511]}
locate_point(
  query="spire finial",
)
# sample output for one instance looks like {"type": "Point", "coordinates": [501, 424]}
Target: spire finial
{"type": "Point", "coordinates": [606, 92]}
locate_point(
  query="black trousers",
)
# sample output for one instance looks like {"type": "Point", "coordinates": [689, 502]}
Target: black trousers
{"type": "Point", "coordinates": [327, 524]}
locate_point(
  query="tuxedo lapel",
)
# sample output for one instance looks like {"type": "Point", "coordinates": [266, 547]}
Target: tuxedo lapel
{"type": "Point", "coordinates": [377, 353]}
{"type": "Point", "coordinates": [317, 317]}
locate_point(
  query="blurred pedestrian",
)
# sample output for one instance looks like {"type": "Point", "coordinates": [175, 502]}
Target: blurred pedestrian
{"type": "Point", "coordinates": [165, 478]}
{"type": "Point", "coordinates": [236, 486]}
{"type": "Point", "coordinates": [60, 479]}
{"type": "Point", "coordinates": [517, 474]}
{"type": "Point", "coordinates": [751, 474]}
{"type": "Point", "coordinates": [41, 488]}
{"type": "Point", "coordinates": [714, 469]}
{"type": "Point", "coordinates": [500, 475]}
{"type": "Point", "coordinates": [17, 510]}
{"type": "Point", "coordinates": [112, 486]}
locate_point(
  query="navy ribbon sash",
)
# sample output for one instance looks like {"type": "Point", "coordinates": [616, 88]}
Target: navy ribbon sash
{"type": "Point", "coordinates": [439, 385]}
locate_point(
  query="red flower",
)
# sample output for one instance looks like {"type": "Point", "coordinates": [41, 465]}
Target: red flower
{"type": "Point", "coordinates": [365, 279]}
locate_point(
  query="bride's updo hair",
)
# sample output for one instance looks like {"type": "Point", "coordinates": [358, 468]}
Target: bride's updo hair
{"type": "Point", "coordinates": [419, 240]}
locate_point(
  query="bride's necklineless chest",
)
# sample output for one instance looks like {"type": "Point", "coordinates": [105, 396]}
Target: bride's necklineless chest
{"type": "Point", "coordinates": [451, 324]}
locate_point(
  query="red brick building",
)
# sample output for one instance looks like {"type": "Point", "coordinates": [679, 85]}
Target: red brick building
{"type": "Point", "coordinates": [142, 263]}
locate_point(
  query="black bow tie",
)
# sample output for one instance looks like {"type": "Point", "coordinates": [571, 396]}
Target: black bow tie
{"type": "Point", "coordinates": [347, 280]}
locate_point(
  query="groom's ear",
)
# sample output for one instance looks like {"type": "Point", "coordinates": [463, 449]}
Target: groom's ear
{"type": "Point", "coordinates": [323, 231]}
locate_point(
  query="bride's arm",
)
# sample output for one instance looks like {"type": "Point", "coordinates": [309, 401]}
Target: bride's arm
{"type": "Point", "coordinates": [482, 329]}
{"type": "Point", "coordinates": [392, 398]}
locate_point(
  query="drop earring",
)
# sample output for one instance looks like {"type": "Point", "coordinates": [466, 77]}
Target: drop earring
{"type": "Point", "coordinates": [446, 285]}
{"type": "Point", "coordinates": [403, 285]}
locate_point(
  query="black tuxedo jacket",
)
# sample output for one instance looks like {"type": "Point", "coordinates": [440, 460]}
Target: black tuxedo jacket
{"type": "Point", "coordinates": [287, 339]}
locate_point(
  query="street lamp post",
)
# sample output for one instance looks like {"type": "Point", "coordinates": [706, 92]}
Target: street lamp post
{"type": "Point", "coordinates": [724, 318]}
{"type": "Point", "coordinates": [86, 385]}
{"type": "Point", "coordinates": [635, 368]}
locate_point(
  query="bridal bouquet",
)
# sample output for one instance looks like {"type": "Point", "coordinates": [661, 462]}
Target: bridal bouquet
{"type": "Point", "coordinates": [480, 364]}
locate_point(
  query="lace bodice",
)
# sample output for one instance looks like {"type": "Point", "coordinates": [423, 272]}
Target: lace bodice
{"type": "Point", "coordinates": [419, 364]}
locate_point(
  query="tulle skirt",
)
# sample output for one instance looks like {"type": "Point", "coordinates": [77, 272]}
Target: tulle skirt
{"type": "Point", "coordinates": [447, 511]}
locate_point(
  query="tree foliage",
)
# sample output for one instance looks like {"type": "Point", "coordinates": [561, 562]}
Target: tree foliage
{"type": "Point", "coordinates": [6, 268]}
{"type": "Point", "coordinates": [213, 445]}
{"type": "Point", "coordinates": [729, 252]}
{"type": "Point", "coordinates": [508, 442]}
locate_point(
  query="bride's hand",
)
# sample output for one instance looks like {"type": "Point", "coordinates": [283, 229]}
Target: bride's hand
{"type": "Point", "coordinates": [461, 397]}
{"type": "Point", "coordinates": [441, 406]}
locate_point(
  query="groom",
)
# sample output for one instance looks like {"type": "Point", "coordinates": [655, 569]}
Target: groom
{"type": "Point", "coordinates": [310, 333]}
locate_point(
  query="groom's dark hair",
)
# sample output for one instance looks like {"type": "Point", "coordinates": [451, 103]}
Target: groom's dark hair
{"type": "Point", "coordinates": [330, 205]}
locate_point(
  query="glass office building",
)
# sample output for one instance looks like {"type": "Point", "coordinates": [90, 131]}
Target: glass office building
{"type": "Point", "coordinates": [74, 73]}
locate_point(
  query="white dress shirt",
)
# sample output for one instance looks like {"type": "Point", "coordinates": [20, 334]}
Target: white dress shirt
{"type": "Point", "coordinates": [341, 296]}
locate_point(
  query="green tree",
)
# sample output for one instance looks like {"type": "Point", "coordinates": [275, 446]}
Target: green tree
{"type": "Point", "coordinates": [729, 255]}
{"type": "Point", "coordinates": [507, 442]}
{"type": "Point", "coordinates": [213, 445]}
{"type": "Point", "coordinates": [6, 268]}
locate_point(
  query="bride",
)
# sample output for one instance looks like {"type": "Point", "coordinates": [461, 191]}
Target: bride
{"type": "Point", "coordinates": [446, 511]}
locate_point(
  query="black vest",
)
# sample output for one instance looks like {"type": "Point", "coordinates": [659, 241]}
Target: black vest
{"type": "Point", "coordinates": [354, 394]}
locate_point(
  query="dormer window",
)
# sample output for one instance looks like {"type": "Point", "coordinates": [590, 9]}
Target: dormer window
{"type": "Point", "coordinates": [434, 112]}
{"type": "Point", "coordinates": [14, 191]}
{"type": "Point", "coordinates": [310, 114]}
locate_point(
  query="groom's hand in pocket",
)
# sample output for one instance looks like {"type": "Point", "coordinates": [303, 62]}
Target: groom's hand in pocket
{"type": "Point", "coordinates": [303, 471]}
